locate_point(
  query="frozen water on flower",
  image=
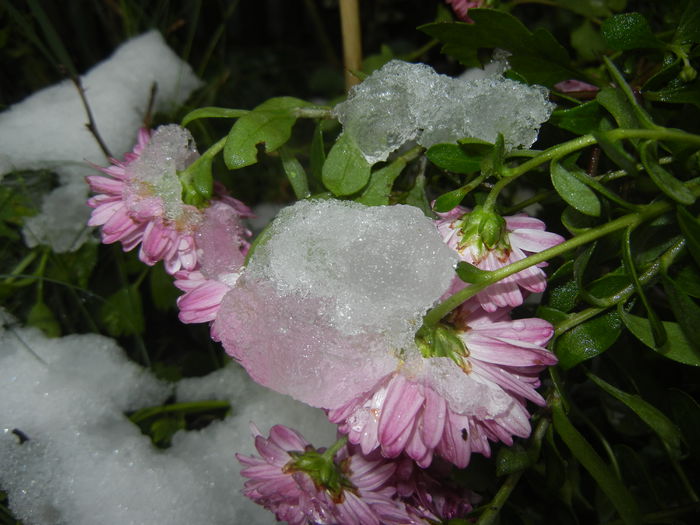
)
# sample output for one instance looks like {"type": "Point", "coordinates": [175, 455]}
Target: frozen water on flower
{"type": "Point", "coordinates": [62, 222]}
{"type": "Point", "coordinates": [330, 296]}
{"type": "Point", "coordinates": [86, 463]}
{"type": "Point", "coordinates": [466, 394]}
{"type": "Point", "coordinates": [375, 268]}
{"type": "Point", "coordinates": [170, 148]}
{"type": "Point", "coordinates": [402, 102]}
{"type": "Point", "coordinates": [286, 343]}
{"type": "Point", "coordinates": [219, 239]}
{"type": "Point", "coordinates": [47, 129]}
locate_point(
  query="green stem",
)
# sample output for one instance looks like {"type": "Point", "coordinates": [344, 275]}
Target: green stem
{"type": "Point", "coordinates": [194, 406]}
{"type": "Point", "coordinates": [314, 112]}
{"type": "Point", "coordinates": [561, 150]}
{"type": "Point", "coordinates": [659, 265]}
{"type": "Point", "coordinates": [20, 267]}
{"type": "Point", "coordinates": [496, 504]}
{"type": "Point", "coordinates": [331, 451]}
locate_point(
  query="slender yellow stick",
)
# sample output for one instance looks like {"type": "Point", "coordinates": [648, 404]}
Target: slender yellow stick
{"type": "Point", "coordinates": [352, 41]}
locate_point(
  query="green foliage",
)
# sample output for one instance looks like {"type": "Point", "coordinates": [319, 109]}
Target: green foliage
{"type": "Point", "coordinates": [345, 171]}
{"type": "Point", "coordinates": [122, 312]}
{"type": "Point", "coordinates": [536, 55]}
{"type": "Point", "coordinates": [576, 193]}
{"type": "Point", "coordinates": [581, 119]}
{"type": "Point", "coordinates": [629, 31]}
{"type": "Point", "coordinates": [381, 181]}
{"type": "Point", "coordinates": [616, 172]}
{"type": "Point", "coordinates": [270, 124]}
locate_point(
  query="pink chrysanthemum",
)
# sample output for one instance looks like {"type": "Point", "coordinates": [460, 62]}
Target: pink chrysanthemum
{"type": "Point", "coordinates": [109, 209]}
{"type": "Point", "coordinates": [462, 7]}
{"type": "Point", "coordinates": [522, 236]}
{"type": "Point", "coordinates": [140, 200]}
{"type": "Point", "coordinates": [429, 494]}
{"type": "Point", "coordinates": [222, 244]}
{"type": "Point", "coordinates": [302, 485]}
{"type": "Point", "coordinates": [454, 405]}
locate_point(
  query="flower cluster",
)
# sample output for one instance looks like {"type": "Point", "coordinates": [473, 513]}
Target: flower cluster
{"type": "Point", "coordinates": [308, 316]}
{"type": "Point", "coordinates": [301, 485]}
{"type": "Point", "coordinates": [139, 201]}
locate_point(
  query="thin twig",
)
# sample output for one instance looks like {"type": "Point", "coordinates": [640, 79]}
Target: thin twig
{"type": "Point", "coordinates": [148, 117]}
{"type": "Point", "coordinates": [352, 40]}
{"type": "Point", "coordinates": [91, 125]}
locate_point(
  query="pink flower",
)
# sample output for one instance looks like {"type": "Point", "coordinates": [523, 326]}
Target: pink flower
{"type": "Point", "coordinates": [110, 210]}
{"type": "Point", "coordinates": [429, 494]}
{"type": "Point", "coordinates": [221, 242]}
{"type": "Point", "coordinates": [454, 405]}
{"type": "Point", "coordinates": [462, 7]}
{"type": "Point", "coordinates": [519, 237]}
{"type": "Point", "coordinates": [576, 86]}
{"type": "Point", "coordinates": [139, 201]}
{"type": "Point", "coordinates": [302, 485]}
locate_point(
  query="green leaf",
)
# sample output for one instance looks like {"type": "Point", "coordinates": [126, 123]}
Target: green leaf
{"type": "Point", "coordinates": [685, 411]}
{"type": "Point", "coordinates": [212, 112]}
{"type": "Point", "coordinates": [163, 429]}
{"type": "Point", "coordinates": [685, 310]}
{"type": "Point", "coordinates": [588, 339]}
{"type": "Point", "coordinates": [553, 315]}
{"type": "Point", "coordinates": [657, 421]}
{"type": "Point", "coordinates": [688, 29]}
{"type": "Point", "coordinates": [163, 293]}
{"type": "Point", "coordinates": [657, 328]}
{"type": "Point", "coordinates": [381, 181]}
{"type": "Point", "coordinates": [608, 287]}
{"type": "Point", "coordinates": [346, 171]}
{"type": "Point", "coordinates": [470, 273]}
{"type": "Point", "coordinates": [690, 227]}
{"type": "Point", "coordinates": [587, 41]}
{"type": "Point", "coordinates": [616, 153]}
{"type": "Point", "coordinates": [563, 296]}
{"type": "Point", "coordinates": [295, 174]}
{"type": "Point", "coordinates": [687, 278]}
{"type": "Point", "coordinates": [318, 152]}
{"type": "Point", "coordinates": [122, 313]}
{"type": "Point", "coordinates": [416, 196]}
{"type": "Point", "coordinates": [450, 200]}
{"type": "Point", "coordinates": [629, 31]}
{"type": "Point", "coordinates": [666, 182]}
{"type": "Point", "coordinates": [537, 55]}
{"type": "Point", "coordinates": [494, 161]}
{"type": "Point", "coordinates": [74, 267]}
{"type": "Point", "coordinates": [512, 459]}
{"type": "Point", "coordinates": [202, 179]}
{"type": "Point", "coordinates": [270, 124]}
{"type": "Point", "coordinates": [611, 486]}
{"type": "Point", "coordinates": [615, 101]}
{"type": "Point", "coordinates": [573, 191]}
{"type": "Point", "coordinates": [677, 94]}
{"type": "Point", "coordinates": [452, 157]}
{"type": "Point", "coordinates": [374, 62]}
{"type": "Point", "coordinates": [589, 8]}
{"type": "Point", "coordinates": [581, 119]}
{"type": "Point", "coordinates": [575, 221]}
{"type": "Point", "coordinates": [677, 347]}
{"type": "Point", "coordinates": [41, 316]}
